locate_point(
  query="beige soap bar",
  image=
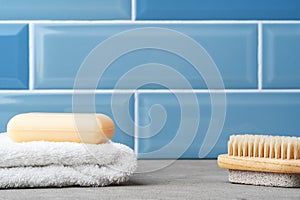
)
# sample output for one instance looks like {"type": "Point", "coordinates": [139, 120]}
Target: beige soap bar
{"type": "Point", "coordinates": [61, 127]}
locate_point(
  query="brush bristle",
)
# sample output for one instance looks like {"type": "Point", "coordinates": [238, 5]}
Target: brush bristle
{"type": "Point", "coordinates": [263, 146]}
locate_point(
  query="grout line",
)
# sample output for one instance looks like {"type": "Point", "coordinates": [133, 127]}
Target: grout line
{"type": "Point", "coordinates": [134, 21]}
{"type": "Point", "coordinates": [259, 57]}
{"type": "Point", "coordinates": [216, 21]}
{"type": "Point", "coordinates": [65, 21]}
{"type": "Point", "coordinates": [136, 121]}
{"type": "Point", "coordinates": [183, 90]}
{"type": "Point", "coordinates": [196, 22]}
{"type": "Point", "coordinates": [66, 91]}
{"type": "Point", "coordinates": [133, 10]}
{"type": "Point", "coordinates": [221, 91]}
{"type": "Point", "coordinates": [31, 56]}
{"type": "Point", "coordinates": [110, 91]}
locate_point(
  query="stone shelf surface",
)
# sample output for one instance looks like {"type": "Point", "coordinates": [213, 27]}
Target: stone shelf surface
{"type": "Point", "coordinates": [183, 179]}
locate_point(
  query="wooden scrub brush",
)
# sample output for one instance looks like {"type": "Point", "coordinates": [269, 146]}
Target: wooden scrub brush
{"type": "Point", "coordinates": [263, 160]}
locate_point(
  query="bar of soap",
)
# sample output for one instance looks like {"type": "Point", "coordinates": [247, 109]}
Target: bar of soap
{"type": "Point", "coordinates": [61, 127]}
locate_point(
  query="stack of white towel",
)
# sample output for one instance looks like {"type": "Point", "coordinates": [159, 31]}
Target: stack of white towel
{"type": "Point", "coordinates": [58, 164]}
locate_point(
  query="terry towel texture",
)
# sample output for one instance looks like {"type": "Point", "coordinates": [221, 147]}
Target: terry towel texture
{"type": "Point", "coordinates": [58, 164]}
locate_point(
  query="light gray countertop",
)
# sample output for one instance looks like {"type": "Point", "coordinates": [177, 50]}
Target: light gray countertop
{"type": "Point", "coordinates": [183, 179]}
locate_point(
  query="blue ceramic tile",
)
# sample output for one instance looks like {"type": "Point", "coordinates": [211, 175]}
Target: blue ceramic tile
{"type": "Point", "coordinates": [281, 61]}
{"type": "Point", "coordinates": [257, 113]}
{"type": "Point", "coordinates": [65, 10]}
{"type": "Point", "coordinates": [12, 104]}
{"type": "Point", "coordinates": [61, 49]}
{"type": "Point", "coordinates": [13, 56]}
{"type": "Point", "coordinates": [217, 9]}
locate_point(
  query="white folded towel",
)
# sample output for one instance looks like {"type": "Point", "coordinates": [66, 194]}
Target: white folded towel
{"type": "Point", "coordinates": [58, 164]}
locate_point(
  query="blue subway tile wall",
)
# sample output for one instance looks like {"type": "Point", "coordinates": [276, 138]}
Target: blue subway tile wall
{"type": "Point", "coordinates": [150, 51]}
{"type": "Point", "coordinates": [12, 104]}
{"type": "Point", "coordinates": [282, 56]}
{"type": "Point", "coordinates": [61, 49]}
{"type": "Point", "coordinates": [217, 10]}
{"type": "Point", "coordinates": [14, 56]}
{"type": "Point", "coordinates": [65, 10]}
{"type": "Point", "coordinates": [257, 113]}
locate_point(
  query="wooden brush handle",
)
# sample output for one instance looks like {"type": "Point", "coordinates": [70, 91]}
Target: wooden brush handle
{"type": "Point", "coordinates": [259, 164]}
